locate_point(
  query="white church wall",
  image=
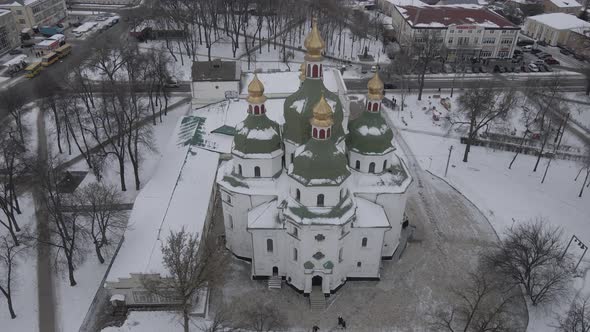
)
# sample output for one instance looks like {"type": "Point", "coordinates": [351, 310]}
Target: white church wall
{"type": "Point", "coordinates": [289, 152]}
{"type": "Point", "coordinates": [267, 254]}
{"type": "Point", "coordinates": [309, 195]}
{"type": "Point", "coordinates": [369, 256]}
{"type": "Point", "coordinates": [268, 167]}
{"type": "Point", "coordinates": [366, 160]}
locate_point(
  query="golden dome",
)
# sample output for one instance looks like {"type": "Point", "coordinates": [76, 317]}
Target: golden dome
{"type": "Point", "coordinates": [314, 44]}
{"type": "Point", "coordinates": [375, 86]}
{"type": "Point", "coordinates": [322, 114]}
{"type": "Point", "coordinates": [302, 72]}
{"type": "Point", "coordinates": [256, 91]}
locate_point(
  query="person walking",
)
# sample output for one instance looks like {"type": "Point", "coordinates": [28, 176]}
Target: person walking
{"type": "Point", "coordinates": [315, 328]}
{"type": "Point", "coordinates": [343, 324]}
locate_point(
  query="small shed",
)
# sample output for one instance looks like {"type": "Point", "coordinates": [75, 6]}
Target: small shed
{"type": "Point", "coordinates": [213, 80]}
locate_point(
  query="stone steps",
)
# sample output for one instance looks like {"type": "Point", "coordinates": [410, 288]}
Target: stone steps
{"type": "Point", "coordinates": [275, 283]}
{"type": "Point", "coordinates": [317, 301]}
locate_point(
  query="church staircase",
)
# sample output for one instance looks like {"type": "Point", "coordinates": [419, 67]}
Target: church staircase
{"type": "Point", "coordinates": [317, 300]}
{"type": "Point", "coordinates": [275, 282]}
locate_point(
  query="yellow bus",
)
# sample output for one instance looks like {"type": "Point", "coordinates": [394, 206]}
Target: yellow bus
{"type": "Point", "coordinates": [49, 59]}
{"type": "Point", "coordinates": [63, 50]}
{"type": "Point", "coordinates": [33, 69]}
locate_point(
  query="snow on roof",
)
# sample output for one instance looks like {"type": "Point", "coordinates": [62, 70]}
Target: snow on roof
{"type": "Point", "coordinates": [264, 216]}
{"type": "Point", "coordinates": [283, 84]}
{"type": "Point", "coordinates": [560, 21]}
{"type": "Point", "coordinates": [426, 16]}
{"type": "Point", "coordinates": [565, 3]}
{"type": "Point", "coordinates": [85, 27]}
{"type": "Point", "coordinates": [16, 60]}
{"type": "Point", "coordinates": [177, 195]}
{"type": "Point", "coordinates": [406, 2]}
{"type": "Point", "coordinates": [369, 214]}
{"type": "Point", "coordinates": [47, 42]}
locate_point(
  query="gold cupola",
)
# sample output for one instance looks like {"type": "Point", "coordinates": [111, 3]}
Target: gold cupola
{"type": "Point", "coordinates": [375, 87]}
{"type": "Point", "coordinates": [322, 114]}
{"type": "Point", "coordinates": [314, 44]}
{"type": "Point", "coordinates": [256, 91]}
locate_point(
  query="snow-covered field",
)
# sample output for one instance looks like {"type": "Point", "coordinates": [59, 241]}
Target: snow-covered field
{"type": "Point", "coordinates": [504, 196]}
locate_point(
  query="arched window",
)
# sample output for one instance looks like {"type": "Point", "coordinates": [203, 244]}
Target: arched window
{"type": "Point", "coordinates": [292, 156]}
{"type": "Point", "coordinates": [228, 199]}
{"type": "Point", "coordinates": [257, 171]}
{"type": "Point", "coordinates": [269, 247]}
{"type": "Point", "coordinates": [342, 193]}
{"type": "Point", "coordinates": [320, 200]}
{"type": "Point", "coordinates": [369, 105]}
{"type": "Point", "coordinates": [240, 169]}
{"type": "Point", "coordinates": [358, 164]}
{"type": "Point", "coordinates": [364, 242]}
{"type": "Point", "coordinates": [294, 254]}
{"type": "Point", "coordinates": [372, 168]}
{"type": "Point", "coordinates": [322, 134]}
{"type": "Point", "coordinates": [315, 71]}
{"type": "Point", "coordinates": [315, 132]}
{"type": "Point", "coordinates": [358, 264]}
{"type": "Point", "coordinates": [262, 109]}
{"type": "Point", "coordinates": [295, 232]}
{"type": "Point", "coordinates": [308, 70]}
{"type": "Point", "coordinates": [297, 194]}
{"type": "Point", "coordinates": [340, 254]}
{"type": "Point", "coordinates": [384, 165]}
{"type": "Point", "coordinates": [375, 107]}
{"type": "Point", "coordinates": [256, 110]}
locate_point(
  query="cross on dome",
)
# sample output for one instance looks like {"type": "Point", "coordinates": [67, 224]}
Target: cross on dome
{"type": "Point", "coordinates": [314, 44]}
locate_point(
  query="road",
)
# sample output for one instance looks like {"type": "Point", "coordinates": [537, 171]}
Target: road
{"type": "Point", "coordinates": [569, 83]}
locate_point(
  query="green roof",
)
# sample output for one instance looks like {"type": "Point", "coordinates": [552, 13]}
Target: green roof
{"type": "Point", "coordinates": [298, 109]}
{"type": "Point", "coordinates": [328, 214]}
{"type": "Point", "coordinates": [191, 130]}
{"type": "Point", "coordinates": [319, 163]}
{"type": "Point", "coordinates": [257, 134]}
{"type": "Point", "coordinates": [225, 130]}
{"type": "Point", "coordinates": [369, 134]}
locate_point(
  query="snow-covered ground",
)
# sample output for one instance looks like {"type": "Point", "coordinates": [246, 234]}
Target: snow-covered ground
{"type": "Point", "coordinates": [142, 321]}
{"type": "Point", "coordinates": [504, 196]}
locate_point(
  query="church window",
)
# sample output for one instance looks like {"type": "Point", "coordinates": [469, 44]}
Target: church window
{"type": "Point", "coordinates": [294, 254]}
{"type": "Point", "coordinates": [249, 108]}
{"type": "Point", "coordinates": [292, 156]}
{"type": "Point", "coordinates": [256, 110]}
{"type": "Point", "coordinates": [358, 264]}
{"type": "Point", "coordinates": [375, 107]}
{"type": "Point", "coordinates": [298, 194]}
{"type": "Point", "coordinates": [257, 171]}
{"type": "Point", "coordinates": [320, 237]}
{"type": "Point", "coordinates": [341, 193]}
{"type": "Point", "coordinates": [240, 169]}
{"type": "Point", "coordinates": [372, 168]}
{"type": "Point", "coordinates": [384, 165]}
{"type": "Point", "coordinates": [228, 199]}
{"type": "Point", "coordinates": [364, 242]}
{"type": "Point", "coordinates": [318, 255]}
{"type": "Point", "coordinates": [340, 254]}
{"type": "Point", "coordinates": [269, 245]}
{"type": "Point", "coordinates": [315, 132]}
{"type": "Point", "coordinates": [322, 134]}
{"type": "Point", "coordinates": [369, 106]}
{"type": "Point", "coordinates": [358, 164]}
{"type": "Point", "coordinates": [320, 200]}
{"type": "Point", "coordinates": [262, 109]}
{"type": "Point", "coordinates": [230, 221]}
{"type": "Point", "coordinates": [295, 232]}
{"type": "Point", "coordinates": [315, 71]}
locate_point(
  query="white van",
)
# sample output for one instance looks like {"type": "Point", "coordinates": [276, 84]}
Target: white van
{"type": "Point", "coordinates": [527, 48]}
{"type": "Point", "coordinates": [533, 67]}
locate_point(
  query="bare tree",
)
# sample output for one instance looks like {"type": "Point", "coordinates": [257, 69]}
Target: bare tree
{"type": "Point", "coordinates": [481, 304]}
{"type": "Point", "coordinates": [262, 317]}
{"type": "Point", "coordinates": [65, 229]}
{"type": "Point", "coordinates": [221, 319]}
{"type": "Point", "coordinates": [190, 267]}
{"type": "Point", "coordinates": [586, 167]}
{"type": "Point", "coordinates": [9, 253]}
{"type": "Point", "coordinates": [402, 68]}
{"type": "Point", "coordinates": [426, 47]}
{"type": "Point", "coordinates": [479, 107]}
{"type": "Point", "coordinates": [99, 204]}
{"type": "Point", "coordinates": [13, 100]}
{"type": "Point", "coordinates": [577, 318]}
{"type": "Point", "coordinates": [531, 254]}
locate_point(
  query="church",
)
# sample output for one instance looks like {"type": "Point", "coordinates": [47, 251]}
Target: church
{"type": "Point", "coordinates": [313, 201]}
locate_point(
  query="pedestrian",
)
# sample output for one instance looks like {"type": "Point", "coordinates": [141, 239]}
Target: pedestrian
{"type": "Point", "coordinates": [315, 328]}
{"type": "Point", "coordinates": [340, 321]}
{"type": "Point", "coordinates": [343, 324]}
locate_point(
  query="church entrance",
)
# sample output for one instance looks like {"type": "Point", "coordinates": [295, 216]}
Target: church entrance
{"type": "Point", "coordinates": [275, 271]}
{"type": "Point", "coordinates": [317, 281]}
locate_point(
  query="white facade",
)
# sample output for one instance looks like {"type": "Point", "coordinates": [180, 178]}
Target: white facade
{"type": "Point", "coordinates": [32, 13]}
{"type": "Point", "coordinates": [206, 92]}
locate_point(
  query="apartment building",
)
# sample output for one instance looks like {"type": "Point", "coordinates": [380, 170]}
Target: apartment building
{"type": "Point", "coordinates": [8, 34]}
{"type": "Point", "coordinates": [31, 13]}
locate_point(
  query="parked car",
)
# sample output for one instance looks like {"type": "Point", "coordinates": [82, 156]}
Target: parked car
{"type": "Point", "coordinates": [532, 67]}
{"type": "Point", "coordinates": [517, 52]}
{"type": "Point", "coordinates": [543, 55]}
{"type": "Point", "coordinates": [551, 61]}
{"type": "Point", "coordinates": [524, 69]}
{"type": "Point", "coordinates": [536, 50]}
{"type": "Point", "coordinates": [527, 48]}
{"type": "Point", "coordinates": [517, 69]}
{"type": "Point", "coordinates": [547, 68]}
{"type": "Point", "coordinates": [541, 67]}
{"type": "Point", "coordinates": [524, 42]}
{"type": "Point", "coordinates": [502, 69]}
{"type": "Point", "coordinates": [564, 51]}
{"type": "Point", "coordinates": [483, 69]}
{"type": "Point", "coordinates": [496, 69]}
{"type": "Point", "coordinates": [539, 62]}
{"type": "Point", "coordinates": [15, 52]}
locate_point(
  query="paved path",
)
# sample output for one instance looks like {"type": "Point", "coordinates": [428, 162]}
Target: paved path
{"type": "Point", "coordinates": [45, 291]}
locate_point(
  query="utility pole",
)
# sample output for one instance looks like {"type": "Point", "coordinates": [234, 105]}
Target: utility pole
{"type": "Point", "coordinates": [448, 160]}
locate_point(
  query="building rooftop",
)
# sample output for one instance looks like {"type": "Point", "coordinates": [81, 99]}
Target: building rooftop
{"type": "Point", "coordinates": [444, 16]}
{"type": "Point", "coordinates": [177, 195]}
{"type": "Point", "coordinates": [582, 31]}
{"type": "Point", "coordinates": [216, 70]}
{"type": "Point", "coordinates": [560, 21]}
{"type": "Point", "coordinates": [565, 3]}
